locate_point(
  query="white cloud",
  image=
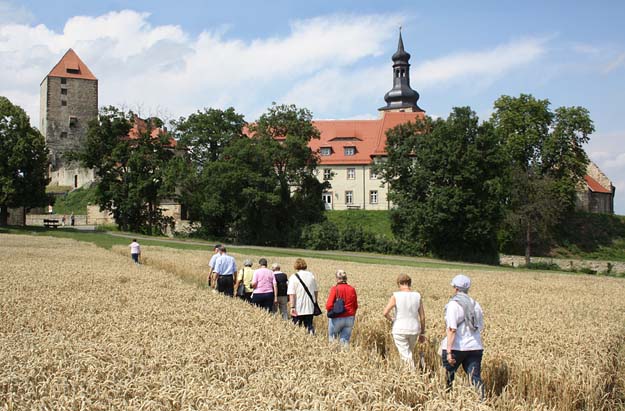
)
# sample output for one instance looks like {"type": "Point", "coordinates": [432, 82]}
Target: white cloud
{"type": "Point", "coordinates": [139, 64]}
{"type": "Point", "coordinates": [10, 13]}
{"type": "Point", "coordinates": [614, 64]}
{"type": "Point", "coordinates": [483, 65]}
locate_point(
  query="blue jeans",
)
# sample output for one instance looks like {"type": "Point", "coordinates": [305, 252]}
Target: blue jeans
{"type": "Point", "coordinates": [471, 362]}
{"type": "Point", "coordinates": [340, 327]}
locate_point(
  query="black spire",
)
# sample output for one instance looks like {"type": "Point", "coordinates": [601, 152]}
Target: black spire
{"type": "Point", "coordinates": [401, 96]}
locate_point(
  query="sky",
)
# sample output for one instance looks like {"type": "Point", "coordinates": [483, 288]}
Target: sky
{"type": "Point", "coordinates": [171, 59]}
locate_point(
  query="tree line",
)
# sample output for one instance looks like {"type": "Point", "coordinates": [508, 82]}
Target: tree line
{"type": "Point", "coordinates": [462, 188]}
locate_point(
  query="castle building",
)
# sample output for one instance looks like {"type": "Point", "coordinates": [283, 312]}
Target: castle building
{"type": "Point", "coordinates": [68, 101]}
{"type": "Point", "coordinates": [348, 149]}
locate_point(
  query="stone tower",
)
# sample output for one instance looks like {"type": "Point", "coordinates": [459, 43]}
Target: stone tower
{"type": "Point", "coordinates": [401, 97]}
{"type": "Point", "coordinates": [69, 100]}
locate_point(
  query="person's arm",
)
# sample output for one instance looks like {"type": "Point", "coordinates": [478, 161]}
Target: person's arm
{"type": "Point", "coordinates": [422, 323]}
{"type": "Point", "coordinates": [254, 280]}
{"type": "Point", "coordinates": [275, 291]}
{"type": "Point", "coordinates": [389, 307]}
{"type": "Point", "coordinates": [239, 276]}
{"type": "Point", "coordinates": [292, 301]}
{"type": "Point", "coordinates": [451, 336]}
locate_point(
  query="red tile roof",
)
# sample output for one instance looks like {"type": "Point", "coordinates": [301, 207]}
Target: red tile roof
{"type": "Point", "coordinates": [368, 137]}
{"type": "Point", "coordinates": [140, 126]}
{"type": "Point", "coordinates": [594, 185]}
{"type": "Point", "coordinates": [71, 66]}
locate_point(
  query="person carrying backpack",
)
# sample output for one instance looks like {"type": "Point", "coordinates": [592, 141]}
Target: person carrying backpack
{"type": "Point", "coordinates": [282, 283]}
{"type": "Point", "coordinates": [462, 345]}
{"type": "Point", "coordinates": [342, 314]}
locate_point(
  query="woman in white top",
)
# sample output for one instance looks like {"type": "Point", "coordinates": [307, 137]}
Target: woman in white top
{"type": "Point", "coordinates": [409, 322]}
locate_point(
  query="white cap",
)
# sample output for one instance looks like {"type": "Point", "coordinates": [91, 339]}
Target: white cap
{"type": "Point", "coordinates": [461, 282]}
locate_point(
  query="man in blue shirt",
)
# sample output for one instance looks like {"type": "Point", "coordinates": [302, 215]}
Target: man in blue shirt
{"type": "Point", "coordinates": [225, 267]}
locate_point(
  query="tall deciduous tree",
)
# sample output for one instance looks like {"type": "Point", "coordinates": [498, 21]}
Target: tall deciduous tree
{"type": "Point", "coordinates": [131, 171]}
{"type": "Point", "coordinates": [262, 189]}
{"type": "Point", "coordinates": [205, 134]}
{"type": "Point", "coordinates": [445, 179]}
{"type": "Point", "coordinates": [546, 159]}
{"type": "Point", "coordinates": [23, 161]}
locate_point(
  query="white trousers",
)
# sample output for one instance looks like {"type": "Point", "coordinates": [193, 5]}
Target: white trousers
{"type": "Point", "coordinates": [405, 344]}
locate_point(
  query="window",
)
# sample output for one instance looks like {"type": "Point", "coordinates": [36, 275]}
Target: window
{"type": "Point", "coordinates": [64, 134]}
{"type": "Point", "coordinates": [372, 174]}
{"type": "Point", "coordinates": [349, 151]}
{"type": "Point", "coordinates": [73, 121]}
{"type": "Point", "coordinates": [327, 174]}
{"type": "Point", "coordinates": [373, 196]}
{"type": "Point", "coordinates": [63, 103]}
{"type": "Point", "coordinates": [63, 80]}
{"type": "Point", "coordinates": [64, 91]}
{"type": "Point", "coordinates": [351, 173]}
{"type": "Point", "coordinates": [325, 151]}
{"type": "Point", "coordinates": [349, 197]}
{"type": "Point", "coordinates": [73, 71]}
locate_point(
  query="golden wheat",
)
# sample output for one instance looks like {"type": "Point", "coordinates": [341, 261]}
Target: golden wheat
{"type": "Point", "coordinates": [84, 328]}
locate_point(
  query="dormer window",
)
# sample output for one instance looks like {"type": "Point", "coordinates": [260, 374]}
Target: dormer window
{"type": "Point", "coordinates": [349, 151]}
{"type": "Point", "coordinates": [73, 71]}
{"type": "Point", "coordinates": [325, 151]}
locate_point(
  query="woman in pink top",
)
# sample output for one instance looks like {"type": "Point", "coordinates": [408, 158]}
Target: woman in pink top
{"type": "Point", "coordinates": [265, 292]}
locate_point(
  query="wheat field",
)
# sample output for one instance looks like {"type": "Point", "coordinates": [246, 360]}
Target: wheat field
{"type": "Point", "coordinates": [84, 328]}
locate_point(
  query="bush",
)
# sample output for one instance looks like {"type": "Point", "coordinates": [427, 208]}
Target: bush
{"type": "Point", "coordinates": [323, 236]}
{"type": "Point", "coordinates": [542, 265]}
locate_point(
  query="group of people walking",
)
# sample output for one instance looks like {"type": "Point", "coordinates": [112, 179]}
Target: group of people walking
{"type": "Point", "coordinates": [296, 297]}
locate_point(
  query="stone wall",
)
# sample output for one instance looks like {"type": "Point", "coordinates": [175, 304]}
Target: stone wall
{"type": "Point", "coordinates": [37, 219]}
{"type": "Point", "coordinates": [16, 216]}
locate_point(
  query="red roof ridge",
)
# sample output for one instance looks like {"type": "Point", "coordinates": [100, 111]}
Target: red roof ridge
{"type": "Point", "coordinates": [594, 185]}
{"type": "Point", "coordinates": [71, 66]}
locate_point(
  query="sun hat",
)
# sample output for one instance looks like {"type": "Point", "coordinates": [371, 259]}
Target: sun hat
{"type": "Point", "coordinates": [461, 282]}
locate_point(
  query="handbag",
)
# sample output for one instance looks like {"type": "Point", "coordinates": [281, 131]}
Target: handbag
{"type": "Point", "coordinates": [241, 287]}
{"type": "Point", "coordinates": [317, 310]}
{"type": "Point", "coordinates": [338, 307]}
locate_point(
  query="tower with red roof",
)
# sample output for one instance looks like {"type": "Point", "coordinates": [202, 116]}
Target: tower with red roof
{"type": "Point", "coordinates": [69, 100]}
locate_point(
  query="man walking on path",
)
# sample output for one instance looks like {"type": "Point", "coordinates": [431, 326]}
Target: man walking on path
{"type": "Point", "coordinates": [226, 268]}
{"type": "Point", "coordinates": [135, 250]}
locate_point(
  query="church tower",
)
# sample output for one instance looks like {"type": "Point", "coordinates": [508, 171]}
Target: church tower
{"type": "Point", "coordinates": [401, 97]}
{"type": "Point", "coordinates": [68, 101]}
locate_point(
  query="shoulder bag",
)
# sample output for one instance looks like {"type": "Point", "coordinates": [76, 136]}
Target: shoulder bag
{"type": "Point", "coordinates": [317, 310]}
{"type": "Point", "coordinates": [338, 307]}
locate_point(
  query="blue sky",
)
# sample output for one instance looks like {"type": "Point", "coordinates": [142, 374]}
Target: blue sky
{"type": "Point", "coordinates": [173, 58]}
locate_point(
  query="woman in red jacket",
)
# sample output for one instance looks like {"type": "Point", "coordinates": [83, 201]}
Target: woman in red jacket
{"type": "Point", "coordinates": [341, 325]}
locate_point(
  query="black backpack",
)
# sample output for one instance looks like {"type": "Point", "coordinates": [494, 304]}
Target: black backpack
{"type": "Point", "coordinates": [281, 283]}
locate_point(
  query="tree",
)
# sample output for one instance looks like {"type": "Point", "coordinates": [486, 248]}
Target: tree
{"type": "Point", "coordinates": [546, 160]}
{"type": "Point", "coordinates": [131, 169]}
{"type": "Point", "coordinates": [445, 180]}
{"type": "Point", "coordinates": [23, 161]}
{"type": "Point", "coordinates": [262, 189]}
{"type": "Point", "coordinates": [205, 134]}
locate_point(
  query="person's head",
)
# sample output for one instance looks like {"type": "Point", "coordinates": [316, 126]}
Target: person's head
{"type": "Point", "coordinates": [300, 264]}
{"type": "Point", "coordinates": [404, 279]}
{"type": "Point", "coordinates": [461, 283]}
{"type": "Point", "coordinates": [341, 276]}
{"type": "Point", "coordinates": [217, 248]}
{"type": "Point", "coordinates": [262, 262]}
{"type": "Point", "coordinates": [134, 240]}
{"type": "Point", "coordinates": [223, 250]}
{"type": "Point", "coordinates": [275, 267]}
{"type": "Point", "coordinates": [248, 263]}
